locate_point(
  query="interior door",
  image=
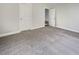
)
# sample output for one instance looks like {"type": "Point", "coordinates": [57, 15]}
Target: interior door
{"type": "Point", "coordinates": [52, 17]}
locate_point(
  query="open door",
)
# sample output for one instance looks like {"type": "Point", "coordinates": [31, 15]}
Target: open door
{"type": "Point", "coordinates": [52, 21]}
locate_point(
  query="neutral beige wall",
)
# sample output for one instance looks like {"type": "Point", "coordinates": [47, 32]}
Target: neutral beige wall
{"type": "Point", "coordinates": [33, 16]}
{"type": "Point", "coordinates": [67, 16]}
{"type": "Point", "coordinates": [15, 17]}
{"type": "Point", "coordinates": [8, 18]}
{"type": "Point", "coordinates": [38, 15]}
{"type": "Point", "coordinates": [25, 16]}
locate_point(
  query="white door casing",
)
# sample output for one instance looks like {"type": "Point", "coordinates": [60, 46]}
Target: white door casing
{"type": "Point", "coordinates": [52, 17]}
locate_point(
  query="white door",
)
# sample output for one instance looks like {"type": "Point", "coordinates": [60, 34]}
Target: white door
{"type": "Point", "coordinates": [52, 17]}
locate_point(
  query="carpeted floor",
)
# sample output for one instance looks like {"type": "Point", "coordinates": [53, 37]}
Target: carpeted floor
{"type": "Point", "coordinates": [42, 41]}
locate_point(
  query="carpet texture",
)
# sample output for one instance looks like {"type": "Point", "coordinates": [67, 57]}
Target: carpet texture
{"type": "Point", "coordinates": [42, 41]}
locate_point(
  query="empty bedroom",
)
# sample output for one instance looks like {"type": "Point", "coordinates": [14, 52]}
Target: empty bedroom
{"type": "Point", "coordinates": [39, 28]}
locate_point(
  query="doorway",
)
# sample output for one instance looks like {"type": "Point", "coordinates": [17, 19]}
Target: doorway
{"type": "Point", "coordinates": [50, 17]}
{"type": "Point", "coordinates": [46, 17]}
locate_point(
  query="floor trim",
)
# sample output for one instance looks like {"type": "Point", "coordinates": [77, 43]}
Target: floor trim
{"type": "Point", "coordinates": [68, 29]}
{"type": "Point", "coordinates": [11, 33]}
{"type": "Point", "coordinates": [36, 27]}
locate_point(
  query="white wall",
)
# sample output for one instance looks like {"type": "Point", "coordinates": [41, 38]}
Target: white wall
{"type": "Point", "coordinates": [16, 17]}
{"type": "Point", "coordinates": [9, 18]}
{"type": "Point", "coordinates": [67, 16]}
{"type": "Point", "coordinates": [25, 15]}
{"type": "Point", "coordinates": [33, 16]}
{"type": "Point", "coordinates": [38, 15]}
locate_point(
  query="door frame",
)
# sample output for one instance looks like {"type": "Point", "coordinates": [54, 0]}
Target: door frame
{"type": "Point", "coordinates": [44, 14]}
{"type": "Point", "coordinates": [55, 15]}
{"type": "Point", "coordinates": [54, 18]}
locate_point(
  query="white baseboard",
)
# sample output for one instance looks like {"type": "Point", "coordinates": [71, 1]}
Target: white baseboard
{"type": "Point", "coordinates": [25, 29]}
{"type": "Point", "coordinates": [68, 29]}
{"type": "Point", "coordinates": [11, 33]}
{"type": "Point", "coordinates": [36, 27]}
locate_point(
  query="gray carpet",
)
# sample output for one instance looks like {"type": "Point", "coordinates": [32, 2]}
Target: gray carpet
{"type": "Point", "coordinates": [42, 41]}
